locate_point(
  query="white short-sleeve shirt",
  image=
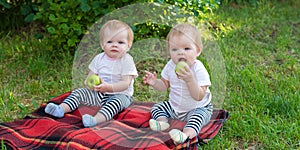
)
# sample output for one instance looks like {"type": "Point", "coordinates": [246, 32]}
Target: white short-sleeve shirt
{"type": "Point", "coordinates": [111, 70]}
{"type": "Point", "coordinates": [179, 96]}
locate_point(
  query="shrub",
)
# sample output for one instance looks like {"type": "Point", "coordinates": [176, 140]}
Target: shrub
{"type": "Point", "coordinates": [65, 22]}
{"type": "Point", "coordinates": [17, 13]}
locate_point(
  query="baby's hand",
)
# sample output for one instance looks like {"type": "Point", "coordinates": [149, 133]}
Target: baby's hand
{"type": "Point", "coordinates": [186, 74]}
{"type": "Point", "coordinates": [103, 87]}
{"type": "Point", "coordinates": [149, 78]}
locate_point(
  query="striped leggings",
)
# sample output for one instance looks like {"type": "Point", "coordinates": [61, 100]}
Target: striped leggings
{"type": "Point", "coordinates": [195, 118]}
{"type": "Point", "coordinates": [111, 104]}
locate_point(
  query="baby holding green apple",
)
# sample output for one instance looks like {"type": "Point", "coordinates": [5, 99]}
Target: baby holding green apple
{"type": "Point", "coordinates": [116, 70]}
{"type": "Point", "coordinates": [189, 97]}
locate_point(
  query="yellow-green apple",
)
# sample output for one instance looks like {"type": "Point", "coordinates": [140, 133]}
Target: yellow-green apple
{"type": "Point", "coordinates": [180, 65]}
{"type": "Point", "coordinates": [92, 81]}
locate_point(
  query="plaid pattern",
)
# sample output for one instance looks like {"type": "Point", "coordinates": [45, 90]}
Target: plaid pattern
{"type": "Point", "coordinates": [128, 130]}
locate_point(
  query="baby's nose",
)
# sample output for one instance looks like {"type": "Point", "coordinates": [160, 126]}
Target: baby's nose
{"type": "Point", "coordinates": [180, 51]}
{"type": "Point", "coordinates": [115, 43]}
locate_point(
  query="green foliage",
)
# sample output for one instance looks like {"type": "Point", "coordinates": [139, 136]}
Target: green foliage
{"type": "Point", "coordinates": [68, 21]}
{"type": "Point", "coordinates": [244, 2]}
{"type": "Point", "coordinates": [17, 13]}
{"type": "Point", "coordinates": [65, 22]}
{"type": "Point", "coordinates": [198, 8]}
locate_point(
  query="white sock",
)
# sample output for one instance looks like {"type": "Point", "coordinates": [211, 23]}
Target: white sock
{"type": "Point", "coordinates": [158, 125]}
{"type": "Point", "coordinates": [54, 110]}
{"type": "Point", "coordinates": [177, 136]}
{"type": "Point", "coordinates": [88, 120]}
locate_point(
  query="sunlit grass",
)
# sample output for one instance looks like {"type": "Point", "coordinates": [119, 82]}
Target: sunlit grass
{"type": "Point", "coordinates": [30, 74]}
{"type": "Point", "coordinates": [262, 57]}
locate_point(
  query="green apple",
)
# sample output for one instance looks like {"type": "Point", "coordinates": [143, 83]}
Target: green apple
{"type": "Point", "coordinates": [180, 65]}
{"type": "Point", "coordinates": [92, 81]}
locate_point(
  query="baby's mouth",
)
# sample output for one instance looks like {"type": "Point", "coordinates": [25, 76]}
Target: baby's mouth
{"type": "Point", "coordinates": [114, 51]}
{"type": "Point", "coordinates": [181, 59]}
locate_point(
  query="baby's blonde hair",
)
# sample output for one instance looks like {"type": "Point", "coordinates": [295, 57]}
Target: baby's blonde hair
{"type": "Point", "coordinates": [187, 30]}
{"type": "Point", "coordinates": [115, 25]}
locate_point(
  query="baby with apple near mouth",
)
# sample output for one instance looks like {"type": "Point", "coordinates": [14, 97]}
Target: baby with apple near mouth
{"type": "Point", "coordinates": [116, 70]}
{"type": "Point", "coordinates": [189, 97]}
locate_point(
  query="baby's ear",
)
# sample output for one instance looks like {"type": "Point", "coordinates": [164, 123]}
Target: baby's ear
{"type": "Point", "coordinates": [129, 47]}
{"type": "Point", "coordinates": [102, 46]}
{"type": "Point", "coordinates": [199, 52]}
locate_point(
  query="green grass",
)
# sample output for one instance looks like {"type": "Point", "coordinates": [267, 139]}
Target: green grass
{"type": "Point", "coordinates": [261, 48]}
{"type": "Point", "coordinates": [30, 75]}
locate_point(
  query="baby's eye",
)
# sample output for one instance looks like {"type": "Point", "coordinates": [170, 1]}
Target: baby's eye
{"type": "Point", "coordinates": [187, 48]}
{"type": "Point", "coordinates": [109, 41]}
{"type": "Point", "coordinates": [174, 49]}
{"type": "Point", "coordinates": [121, 42]}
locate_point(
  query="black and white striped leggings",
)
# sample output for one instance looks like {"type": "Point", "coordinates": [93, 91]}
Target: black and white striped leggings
{"type": "Point", "coordinates": [195, 118]}
{"type": "Point", "coordinates": [111, 104]}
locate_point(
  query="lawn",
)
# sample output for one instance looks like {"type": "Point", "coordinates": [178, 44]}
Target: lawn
{"type": "Point", "coordinates": [261, 49]}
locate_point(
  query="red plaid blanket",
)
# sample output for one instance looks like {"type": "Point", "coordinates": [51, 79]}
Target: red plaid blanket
{"type": "Point", "coordinates": [128, 130]}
